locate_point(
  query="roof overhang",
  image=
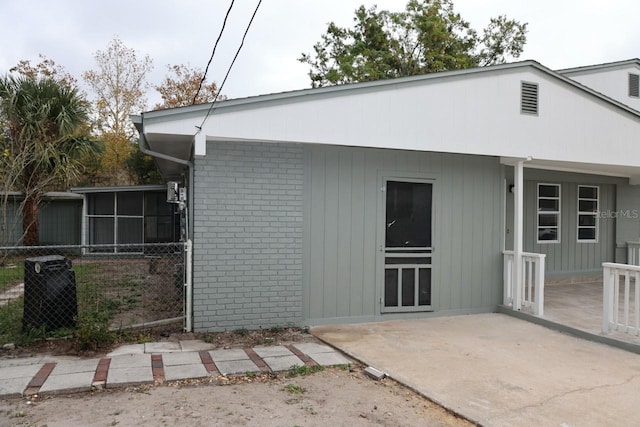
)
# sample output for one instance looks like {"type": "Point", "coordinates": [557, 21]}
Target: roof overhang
{"type": "Point", "coordinates": [170, 151]}
{"type": "Point", "coordinates": [635, 62]}
{"type": "Point", "coordinates": [574, 117]}
{"type": "Point", "coordinates": [116, 189]}
{"type": "Point", "coordinates": [49, 195]}
{"type": "Point", "coordinates": [629, 172]}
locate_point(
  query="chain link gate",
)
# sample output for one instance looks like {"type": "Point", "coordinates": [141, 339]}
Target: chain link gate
{"type": "Point", "coordinates": [122, 286]}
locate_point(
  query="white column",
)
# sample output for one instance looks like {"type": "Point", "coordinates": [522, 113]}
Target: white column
{"type": "Point", "coordinates": [518, 229]}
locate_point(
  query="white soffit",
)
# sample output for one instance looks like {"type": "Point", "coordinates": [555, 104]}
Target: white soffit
{"type": "Point", "coordinates": [574, 167]}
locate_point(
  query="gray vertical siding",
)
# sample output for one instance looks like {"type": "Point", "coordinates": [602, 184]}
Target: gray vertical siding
{"type": "Point", "coordinates": [60, 222]}
{"type": "Point", "coordinates": [248, 210]}
{"type": "Point", "coordinates": [570, 256]}
{"type": "Point", "coordinates": [342, 230]}
{"type": "Point", "coordinates": [11, 226]}
{"type": "Point", "coordinates": [290, 234]}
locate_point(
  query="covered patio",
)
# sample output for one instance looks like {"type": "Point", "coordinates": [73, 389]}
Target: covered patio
{"type": "Point", "coordinates": [572, 255]}
{"type": "Point", "coordinates": [496, 370]}
{"type": "Point", "coordinates": [575, 305]}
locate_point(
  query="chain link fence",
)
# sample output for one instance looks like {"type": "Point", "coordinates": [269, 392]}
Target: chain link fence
{"type": "Point", "coordinates": [88, 289]}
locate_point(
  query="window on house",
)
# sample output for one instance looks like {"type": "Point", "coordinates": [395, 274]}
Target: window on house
{"type": "Point", "coordinates": [588, 205]}
{"type": "Point", "coordinates": [529, 98]}
{"type": "Point", "coordinates": [548, 227]}
{"type": "Point", "coordinates": [634, 85]}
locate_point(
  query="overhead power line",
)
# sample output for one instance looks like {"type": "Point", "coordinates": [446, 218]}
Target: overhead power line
{"type": "Point", "coordinates": [204, 76]}
{"type": "Point", "coordinates": [230, 66]}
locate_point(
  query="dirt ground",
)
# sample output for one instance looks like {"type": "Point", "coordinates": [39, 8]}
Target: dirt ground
{"type": "Point", "coordinates": [331, 397]}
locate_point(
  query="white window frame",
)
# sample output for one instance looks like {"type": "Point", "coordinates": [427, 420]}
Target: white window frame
{"type": "Point", "coordinates": [539, 212]}
{"type": "Point", "coordinates": [594, 214]}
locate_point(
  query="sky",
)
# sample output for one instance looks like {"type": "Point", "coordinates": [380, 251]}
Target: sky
{"type": "Point", "coordinates": [562, 34]}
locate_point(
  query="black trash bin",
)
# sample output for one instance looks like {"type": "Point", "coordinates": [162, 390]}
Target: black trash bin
{"type": "Point", "coordinates": [50, 298]}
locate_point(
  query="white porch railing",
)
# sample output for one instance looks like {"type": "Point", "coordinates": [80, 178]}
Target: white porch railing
{"type": "Point", "coordinates": [531, 293]}
{"type": "Point", "coordinates": [633, 253]}
{"type": "Point", "coordinates": [621, 305]}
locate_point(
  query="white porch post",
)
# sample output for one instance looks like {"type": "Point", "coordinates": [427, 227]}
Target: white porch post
{"type": "Point", "coordinates": [518, 229]}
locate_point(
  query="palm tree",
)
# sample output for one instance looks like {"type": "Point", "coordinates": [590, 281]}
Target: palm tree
{"type": "Point", "coordinates": [45, 126]}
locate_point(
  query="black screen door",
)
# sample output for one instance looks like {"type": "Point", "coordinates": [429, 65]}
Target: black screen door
{"type": "Point", "coordinates": [408, 247]}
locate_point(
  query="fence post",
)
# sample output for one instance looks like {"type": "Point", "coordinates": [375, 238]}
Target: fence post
{"type": "Point", "coordinates": [633, 253]}
{"type": "Point", "coordinates": [607, 298]}
{"type": "Point", "coordinates": [189, 286]}
{"type": "Point", "coordinates": [538, 308]}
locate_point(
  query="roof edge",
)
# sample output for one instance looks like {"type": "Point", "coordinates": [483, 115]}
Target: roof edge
{"type": "Point", "coordinates": [587, 68]}
{"type": "Point", "coordinates": [85, 190]}
{"type": "Point", "coordinates": [137, 119]}
{"type": "Point", "coordinates": [252, 100]}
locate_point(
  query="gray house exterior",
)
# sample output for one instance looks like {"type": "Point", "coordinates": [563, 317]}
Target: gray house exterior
{"type": "Point", "coordinates": [397, 199]}
{"type": "Point", "coordinates": [60, 218]}
{"type": "Point", "coordinates": [284, 233]}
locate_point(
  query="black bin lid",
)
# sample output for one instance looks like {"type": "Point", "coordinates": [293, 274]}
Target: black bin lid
{"type": "Point", "coordinates": [55, 261]}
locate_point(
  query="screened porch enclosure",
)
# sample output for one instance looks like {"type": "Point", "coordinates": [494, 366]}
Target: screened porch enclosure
{"type": "Point", "coordinates": [128, 218]}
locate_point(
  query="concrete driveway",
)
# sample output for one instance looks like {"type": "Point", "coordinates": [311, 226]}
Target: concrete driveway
{"type": "Point", "coordinates": [497, 370]}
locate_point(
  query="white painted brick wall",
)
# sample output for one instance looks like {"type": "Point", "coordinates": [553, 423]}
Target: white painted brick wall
{"type": "Point", "coordinates": [248, 214]}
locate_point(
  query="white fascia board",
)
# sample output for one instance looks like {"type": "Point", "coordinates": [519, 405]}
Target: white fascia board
{"type": "Point", "coordinates": [599, 68]}
{"type": "Point", "coordinates": [470, 112]}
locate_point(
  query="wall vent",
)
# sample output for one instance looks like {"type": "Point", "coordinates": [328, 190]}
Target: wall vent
{"type": "Point", "coordinates": [529, 98]}
{"type": "Point", "coordinates": [634, 85]}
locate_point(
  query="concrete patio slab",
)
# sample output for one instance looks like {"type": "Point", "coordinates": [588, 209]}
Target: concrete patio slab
{"type": "Point", "coordinates": [329, 359]}
{"type": "Point", "coordinates": [282, 363]}
{"type": "Point", "coordinates": [236, 367]}
{"type": "Point", "coordinates": [34, 360]}
{"type": "Point", "coordinates": [14, 379]}
{"type": "Point", "coordinates": [20, 371]}
{"type": "Point", "coordinates": [230, 354]}
{"type": "Point", "coordinates": [183, 358]}
{"type": "Point", "coordinates": [127, 349]}
{"type": "Point", "coordinates": [67, 383]}
{"type": "Point", "coordinates": [497, 370]}
{"type": "Point", "coordinates": [310, 348]}
{"type": "Point", "coordinates": [272, 351]}
{"type": "Point", "coordinates": [195, 345]}
{"type": "Point", "coordinates": [182, 372]}
{"type": "Point", "coordinates": [75, 366]}
{"type": "Point", "coordinates": [131, 361]}
{"type": "Point", "coordinates": [13, 387]}
{"type": "Point", "coordinates": [122, 377]}
{"type": "Point", "coordinates": [162, 347]}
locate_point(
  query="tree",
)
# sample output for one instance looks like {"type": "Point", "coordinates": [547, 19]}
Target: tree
{"type": "Point", "coordinates": [143, 168]}
{"type": "Point", "coordinates": [119, 84]}
{"type": "Point", "coordinates": [180, 89]}
{"type": "Point", "coordinates": [46, 68]}
{"type": "Point", "coordinates": [45, 133]}
{"type": "Point", "coordinates": [429, 36]}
